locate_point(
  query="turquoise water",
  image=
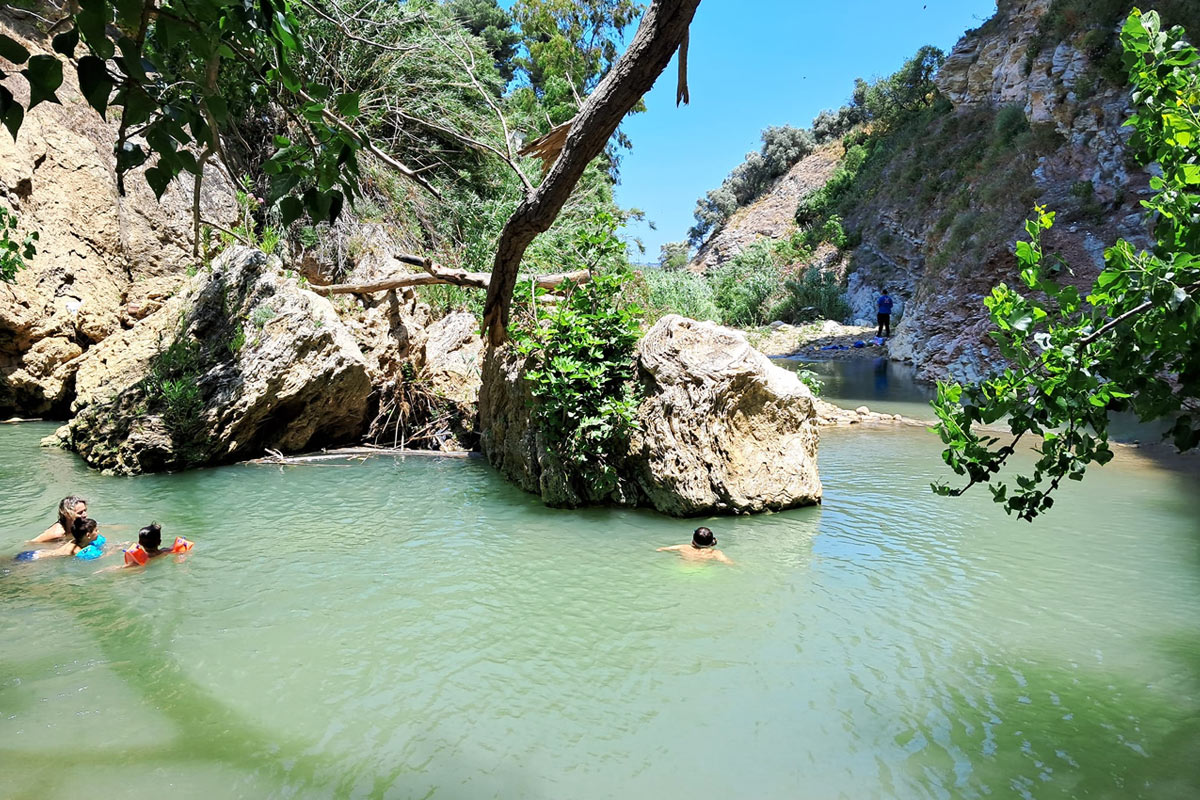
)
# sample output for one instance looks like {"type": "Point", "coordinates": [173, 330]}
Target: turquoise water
{"type": "Point", "coordinates": [419, 628]}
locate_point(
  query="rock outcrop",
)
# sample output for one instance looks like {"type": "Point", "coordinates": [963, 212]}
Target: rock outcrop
{"type": "Point", "coordinates": [772, 216]}
{"type": "Point", "coordinates": [241, 360]}
{"type": "Point", "coordinates": [940, 278]}
{"type": "Point", "coordinates": [720, 429]}
{"type": "Point", "coordinates": [104, 260]}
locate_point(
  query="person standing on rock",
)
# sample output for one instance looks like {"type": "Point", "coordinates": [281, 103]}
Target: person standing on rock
{"type": "Point", "coordinates": [884, 316]}
{"type": "Point", "coordinates": [703, 547]}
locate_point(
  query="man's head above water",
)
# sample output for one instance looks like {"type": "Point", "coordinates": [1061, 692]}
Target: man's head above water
{"type": "Point", "coordinates": [703, 537]}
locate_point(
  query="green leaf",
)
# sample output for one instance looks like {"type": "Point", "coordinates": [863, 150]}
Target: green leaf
{"type": "Point", "coordinates": [92, 21]}
{"type": "Point", "coordinates": [94, 83]}
{"type": "Point", "coordinates": [45, 75]}
{"type": "Point", "coordinates": [347, 104]}
{"type": "Point", "coordinates": [138, 106]}
{"type": "Point", "coordinates": [13, 50]}
{"type": "Point", "coordinates": [219, 109]}
{"type": "Point", "coordinates": [159, 179]}
{"type": "Point", "coordinates": [129, 12]}
{"type": "Point", "coordinates": [130, 61]}
{"type": "Point", "coordinates": [65, 43]}
{"type": "Point", "coordinates": [130, 156]}
{"type": "Point", "coordinates": [290, 209]}
{"type": "Point", "coordinates": [11, 112]}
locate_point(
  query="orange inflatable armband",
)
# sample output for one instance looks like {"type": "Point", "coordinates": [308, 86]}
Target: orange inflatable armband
{"type": "Point", "coordinates": [181, 545]}
{"type": "Point", "coordinates": [136, 556]}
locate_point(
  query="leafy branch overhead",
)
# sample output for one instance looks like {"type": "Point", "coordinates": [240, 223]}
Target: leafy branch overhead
{"type": "Point", "coordinates": [162, 67]}
{"type": "Point", "coordinates": [1132, 343]}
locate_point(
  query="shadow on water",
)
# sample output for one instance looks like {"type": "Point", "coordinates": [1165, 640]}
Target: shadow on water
{"type": "Point", "coordinates": [1032, 728]}
{"type": "Point", "coordinates": [206, 730]}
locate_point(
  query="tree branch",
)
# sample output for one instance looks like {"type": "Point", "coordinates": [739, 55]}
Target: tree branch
{"type": "Point", "coordinates": [663, 28]}
{"type": "Point", "coordinates": [437, 274]}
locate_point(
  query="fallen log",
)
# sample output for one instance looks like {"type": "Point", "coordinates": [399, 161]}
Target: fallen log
{"type": "Point", "coordinates": [276, 458]}
{"type": "Point", "coordinates": [436, 274]}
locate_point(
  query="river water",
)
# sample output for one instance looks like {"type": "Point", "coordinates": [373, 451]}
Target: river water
{"type": "Point", "coordinates": [417, 628]}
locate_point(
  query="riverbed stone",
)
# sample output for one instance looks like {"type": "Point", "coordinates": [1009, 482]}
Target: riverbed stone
{"type": "Point", "coordinates": [271, 364]}
{"type": "Point", "coordinates": [720, 429]}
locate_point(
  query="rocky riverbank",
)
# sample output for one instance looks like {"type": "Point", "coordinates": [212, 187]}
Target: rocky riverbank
{"type": "Point", "coordinates": [824, 340]}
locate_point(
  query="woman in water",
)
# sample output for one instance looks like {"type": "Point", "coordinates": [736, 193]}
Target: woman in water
{"type": "Point", "coordinates": [703, 547]}
{"type": "Point", "coordinates": [69, 510]}
{"type": "Point", "coordinates": [86, 543]}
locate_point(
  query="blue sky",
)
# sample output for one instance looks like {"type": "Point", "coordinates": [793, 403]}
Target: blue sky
{"type": "Point", "coordinates": [766, 62]}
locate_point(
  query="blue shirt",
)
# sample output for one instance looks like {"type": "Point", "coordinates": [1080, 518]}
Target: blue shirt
{"type": "Point", "coordinates": [884, 304]}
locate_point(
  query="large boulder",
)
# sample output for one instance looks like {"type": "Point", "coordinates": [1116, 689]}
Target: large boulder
{"type": "Point", "coordinates": [720, 429]}
{"type": "Point", "coordinates": [241, 360]}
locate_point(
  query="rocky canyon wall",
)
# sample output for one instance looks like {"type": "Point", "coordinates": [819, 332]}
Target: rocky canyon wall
{"type": "Point", "coordinates": [104, 260]}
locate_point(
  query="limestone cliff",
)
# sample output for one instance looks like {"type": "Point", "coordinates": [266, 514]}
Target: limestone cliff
{"type": "Point", "coordinates": [1077, 165]}
{"type": "Point", "coordinates": [104, 260]}
{"type": "Point", "coordinates": [1021, 120]}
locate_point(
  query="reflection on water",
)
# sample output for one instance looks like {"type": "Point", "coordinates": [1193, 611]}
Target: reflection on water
{"type": "Point", "coordinates": [420, 628]}
{"type": "Point", "coordinates": [885, 386]}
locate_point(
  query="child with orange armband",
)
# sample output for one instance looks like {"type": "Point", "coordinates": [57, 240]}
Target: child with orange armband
{"type": "Point", "coordinates": [150, 546]}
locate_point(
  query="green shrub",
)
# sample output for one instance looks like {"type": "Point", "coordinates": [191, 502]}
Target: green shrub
{"type": "Point", "coordinates": [1010, 123]}
{"type": "Point", "coordinates": [684, 293]}
{"type": "Point", "coordinates": [743, 286]}
{"type": "Point", "coordinates": [815, 295]}
{"type": "Point", "coordinates": [13, 254]}
{"type": "Point", "coordinates": [811, 379]}
{"type": "Point", "coordinates": [446, 298]}
{"type": "Point", "coordinates": [172, 390]}
{"type": "Point", "coordinates": [582, 374]}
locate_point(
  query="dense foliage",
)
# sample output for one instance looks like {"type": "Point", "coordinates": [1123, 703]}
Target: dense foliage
{"type": "Point", "coordinates": [580, 364]}
{"type": "Point", "coordinates": [342, 106]}
{"type": "Point", "coordinates": [1133, 342]}
{"type": "Point", "coordinates": [674, 255]}
{"type": "Point", "coordinates": [167, 67]}
{"type": "Point", "coordinates": [680, 292]}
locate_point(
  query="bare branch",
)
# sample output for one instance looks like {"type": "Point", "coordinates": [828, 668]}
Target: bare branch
{"type": "Point", "coordinates": [341, 26]}
{"type": "Point", "coordinates": [436, 274]}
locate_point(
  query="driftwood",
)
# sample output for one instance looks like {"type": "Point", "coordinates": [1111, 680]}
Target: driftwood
{"type": "Point", "coordinates": [274, 457]}
{"type": "Point", "coordinates": [660, 34]}
{"type": "Point", "coordinates": [436, 274]}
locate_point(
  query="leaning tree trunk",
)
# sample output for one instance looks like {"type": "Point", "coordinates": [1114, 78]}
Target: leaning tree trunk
{"type": "Point", "coordinates": [663, 29]}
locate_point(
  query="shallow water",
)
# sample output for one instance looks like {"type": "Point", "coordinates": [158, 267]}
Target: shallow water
{"type": "Point", "coordinates": [888, 387]}
{"type": "Point", "coordinates": [419, 628]}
